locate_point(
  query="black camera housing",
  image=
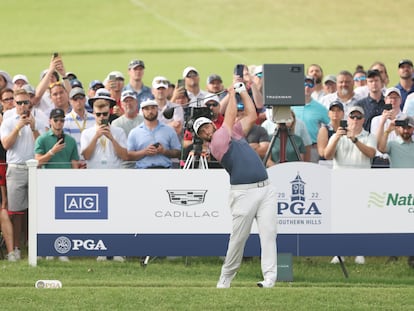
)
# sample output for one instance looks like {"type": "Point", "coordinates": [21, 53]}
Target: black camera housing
{"type": "Point", "coordinates": [239, 70]}
{"type": "Point", "coordinates": [343, 124]}
{"type": "Point", "coordinates": [388, 107]}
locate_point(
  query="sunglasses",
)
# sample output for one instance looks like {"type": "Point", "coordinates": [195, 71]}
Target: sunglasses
{"type": "Point", "coordinates": [105, 114]}
{"type": "Point", "coordinates": [52, 85]}
{"type": "Point", "coordinates": [192, 74]}
{"type": "Point", "coordinates": [78, 97]}
{"type": "Point", "coordinates": [8, 99]}
{"type": "Point", "coordinates": [162, 82]}
{"type": "Point", "coordinates": [23, 102]}
{"type": "Point", "coordinates": [215, 104]}
{"type": "Point", "coordinates": [259, 75]}
{"type": "Point", "coordinates": [361, 78]}
{"type": "Point", "coordinates": [353, 117]}
{"type": "Point", "coordinates": [309, 85]}
{"type": "Point", "coordinates": [58, 119]}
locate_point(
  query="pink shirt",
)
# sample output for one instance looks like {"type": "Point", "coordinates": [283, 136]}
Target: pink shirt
{"type": "Point", "coordinates": [221, 139]}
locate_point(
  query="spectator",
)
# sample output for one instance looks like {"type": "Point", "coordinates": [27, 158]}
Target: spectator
{"type": "Point", "coordinates": [352, 147]}
{"type": "Point", "coordinates": [153, 144]}
{"type": "Point", "coordinates": [313, 114]}
{"type": "Point", "coordinates": [290, 148]}
{"type": "Point", "coordinates": [59, 96]}
{"type": "Point", "coordinates": [136, 70]}
{"type": "Point", "coordinates": [344, 92]}
{"type": "Point", "coordinates": [78, 119]}
{"type": "Point", "coordinates": [360, 77]}
{"type": "Point", "coordinates": [19, 80]}
{"type": "Point", "coordinates": [103, 145]}
{"type": "Point", "coordinates": [316, 72]}
{"type": "Point", "coordinates": [400, 150]}
{"type": "Point", "coordinates": [192, 85]}
{"type": "Point", "coordinates": [105, 95]}
{"type": "Point", "coordinates": [7, 99]}
{"type": "Point", "coordinates": [257, 77]}
{"type": "Point", "coordinates": [114, 83]}
{"type": "Point", "coordinates": [336, 114]}
{"type": "Point", "coordinates": [130, 119]}
{"type": "Point", "coordinates": [215, 86]}
{"type": "Point", "coordinates": [5, 80]}
{"type": "Point", "coordinates": [329, 85]}
{"type": "Point", "coordinates": [374, 103]}
{"type": "Point", "coordinates": [159, 90]}
{"type": "Point", "coordinates": [94, 85]}
{"type": "Point", "coordinates": [406, 84]}
{"type": "Point", "coordinates": [17, 136]}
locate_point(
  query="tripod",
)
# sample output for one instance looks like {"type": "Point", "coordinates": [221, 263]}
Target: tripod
{"type": "Point", "coordinates": [196, 155]}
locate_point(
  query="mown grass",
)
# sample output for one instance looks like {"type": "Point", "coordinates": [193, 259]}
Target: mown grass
{"type": "Point", "coordinates": [189, 284]}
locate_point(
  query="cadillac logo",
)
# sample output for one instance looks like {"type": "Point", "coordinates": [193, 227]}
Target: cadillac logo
{"type": "Point", "coordinates": [187, 197]}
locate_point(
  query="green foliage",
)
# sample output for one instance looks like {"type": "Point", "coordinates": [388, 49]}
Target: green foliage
{"type": "Point", "coordinates": [189, 284]}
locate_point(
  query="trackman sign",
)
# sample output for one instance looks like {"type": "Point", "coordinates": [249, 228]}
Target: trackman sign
{"type": "Point", "coordinates": [81, 202]}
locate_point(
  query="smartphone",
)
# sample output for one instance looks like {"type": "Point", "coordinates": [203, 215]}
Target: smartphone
{"type": "Point", "coordinates": [61, 138]}
{"type": "Point", "coordinates": [239, 70]}
{"type": "Point", "coordinates": [156, 145]}
{"type": "Point", "coordinates": [26, 113]}
{"type": "Point", "coordinates": [343, 124]}
{"type": "Point", "coordinates": [112, 79]}
{"type": "Point", "coordinates": [388, 107]}
{"type": "Point", "coordinates": [56, 54]}
{"type": "Point", "coordinates": [401, 123]}
{"type": "Point", "coordinates": [180, 83]}
{"type": "Point", "coordinates": [104, 122]}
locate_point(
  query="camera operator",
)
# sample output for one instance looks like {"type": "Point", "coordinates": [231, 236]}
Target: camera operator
{"type": "Point", "coordinates": [251, 196]}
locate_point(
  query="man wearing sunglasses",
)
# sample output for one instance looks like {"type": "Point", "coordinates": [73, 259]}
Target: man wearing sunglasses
{"type": "Point", "coordinates": [103, 145]}
{"type": "Point", "coordinates": [18, 134]}
{"type": "Point", "coordinates": [352, 146]}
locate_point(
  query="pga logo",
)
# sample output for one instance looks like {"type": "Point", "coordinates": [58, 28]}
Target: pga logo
{"type": "Point", "coordinates": [64, 245]}
{"type": "Point", "coordinates": [81, 203]}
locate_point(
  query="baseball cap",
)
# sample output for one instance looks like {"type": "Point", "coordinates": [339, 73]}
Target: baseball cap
{"type": "Point", "coordinates": [102, 94]}
{"type": "Point", "coordinates": [214, 77]}
{"type": "Point", "coordinates": [200, 122]}
{"type": "Point", "coordinates": [408, 119]}
{"type": "Point", "coordinates": [331, 78]}
{"type": "Point", "coordinates": [117, 74]}
{"type": "Point", "coordinates": [126, 94]}
{"type": "Point", "coordinates": [76, 91]}
{"type": "Point", "coordinates": [135, 63]}
{"type": "Point", "coordinates": [42, 74]}
{"type": "Point", "coordinates": [95, 83]}
{"type": "Point", "coordinates": [70, 75]}
{"type": "Point", "coordinates": [76, 83]}
{"type": "Point", "coordinates": [405, 62]}
{"type": "Point", "coordinates": [373, 73]}
{"type": "Point", "coordinates": [160, 81]}
{"type": "Point", "coordinates": [187, 70]}
{"type": "Point", "coordinates": [336, 103]}
{"type": "Point", "coordinates": [7, 78]}
{"type": "Point", "coordinates": [391, 90]}
{"type": "Point", "coordinates": [148, 102]}
{"type": "Point", "coordinates": [57, 112]}
{"type": "Point", "coordinates": [356, 108]}
{"type": "Point", "coordinates": [20, 77]}
{"type": "Point", "coordinates": [210, 97]}
{"type": "Point", "coordinates": [310, 78]}
{"type": "Point", "coordinates": [29, 89]}
{"type": "Point", "coordinates": [257, 70]}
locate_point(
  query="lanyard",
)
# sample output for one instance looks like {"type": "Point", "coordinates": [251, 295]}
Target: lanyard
{"type": "Point", "coordinates": [77, 123]}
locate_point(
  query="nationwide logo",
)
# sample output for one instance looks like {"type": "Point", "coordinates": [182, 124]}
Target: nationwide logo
{"type": "Point", "coordinates": [81, 202]}
{"type": "Point", "coordinates": [187, 197]}
{"type": "Point", "coordinates": [64, 245]}
{"type": "Point", "coordinates": [384, 200]}
{"type": "Point", "coordinates": [293, 211]}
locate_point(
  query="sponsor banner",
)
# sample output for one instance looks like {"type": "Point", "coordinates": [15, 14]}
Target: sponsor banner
{"type": "Point", "coordinates": [216, 244]}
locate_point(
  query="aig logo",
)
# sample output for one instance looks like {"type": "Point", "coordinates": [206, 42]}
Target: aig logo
{"type": "Point", "coordinates": [81, 203]}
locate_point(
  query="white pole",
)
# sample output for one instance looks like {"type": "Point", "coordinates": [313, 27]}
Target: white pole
{"type": "Point", "coordinates": [32, 212]}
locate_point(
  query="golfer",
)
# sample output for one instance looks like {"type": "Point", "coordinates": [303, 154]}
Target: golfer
{"type": "Point", "coordinates": [251, 196]}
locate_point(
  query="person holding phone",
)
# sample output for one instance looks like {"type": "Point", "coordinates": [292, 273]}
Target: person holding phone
{"type": "Point", "coordinates": [103, 145]}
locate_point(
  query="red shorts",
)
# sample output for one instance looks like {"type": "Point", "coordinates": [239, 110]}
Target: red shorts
{"type": "Point", "coordinates": [3, 168]}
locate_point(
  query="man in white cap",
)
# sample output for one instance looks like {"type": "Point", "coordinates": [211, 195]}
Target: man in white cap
{"type": "Point", "coordinates": [251, 197]}
{"type": "Point", "coordinates": [192, 85]}
{"type": "Point", "coordinates": [19, 80]}
{"type": "Point", "coordinates": [152, 144]}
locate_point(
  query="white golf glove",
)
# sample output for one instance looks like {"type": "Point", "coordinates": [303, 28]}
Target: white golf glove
{"type": "Point", "coordinates": [239, 87]}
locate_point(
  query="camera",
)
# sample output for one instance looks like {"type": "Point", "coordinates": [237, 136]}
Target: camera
{"type": "Point", "coordinates": [401, 123]}
{"type": "Point", "coordinates": [26, 113]}
{"type": "Point", "coordinates": [55, 54]}
{"type": "Point", "coordinates": [193, 113]}
{"type": "Point", "coordinates": [239, 70]}
{"type": "Point", "coordinates": [388, 107]}
{"type": "Point", "coordinates": [343, 124]}
{"type": "Point", "coordinates": [180, 83]}
{"type": "Point", "coordinates": [61, 138]}
{"type": "Point", "coordinates": [156, 145]}
{"type": "Point", "coordinates": [104, 122]}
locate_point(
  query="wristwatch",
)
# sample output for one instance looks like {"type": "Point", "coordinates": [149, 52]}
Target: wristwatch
{"type": "Point", "coordinates": [354, 140]}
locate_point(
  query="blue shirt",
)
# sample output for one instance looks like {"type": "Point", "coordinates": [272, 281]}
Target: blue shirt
{"type": "Point", "coordinates": [141, 137]}
{"type": "Point", "coordinates": [404, 94]}
{"type": "Point", "coordinates": [313, 114]}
